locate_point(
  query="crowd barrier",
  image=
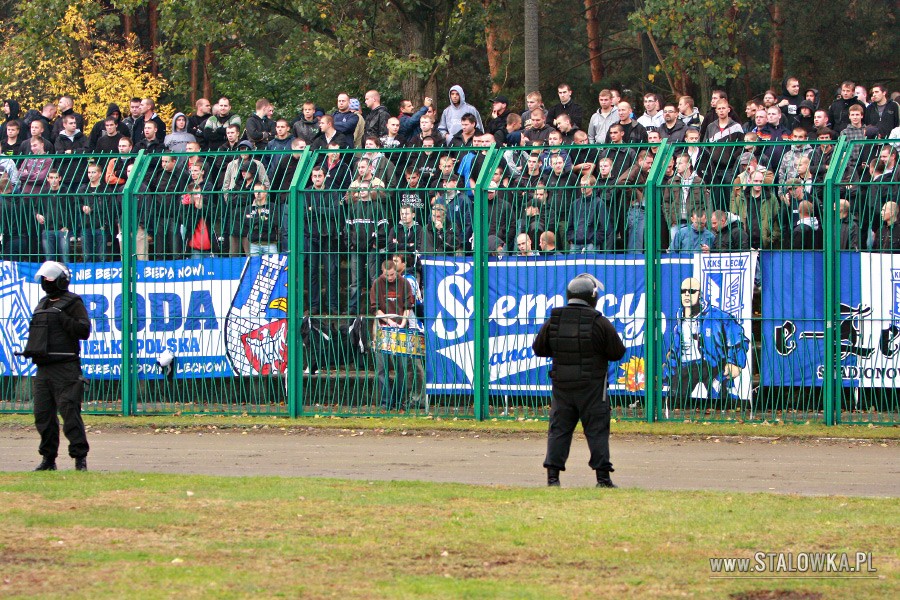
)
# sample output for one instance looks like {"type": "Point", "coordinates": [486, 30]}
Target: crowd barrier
{"type": "Point", "coordinates": [221, 283]}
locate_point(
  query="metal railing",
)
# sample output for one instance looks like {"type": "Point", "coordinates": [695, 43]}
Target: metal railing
{"type": "Point", "coordinates": [788, 311]}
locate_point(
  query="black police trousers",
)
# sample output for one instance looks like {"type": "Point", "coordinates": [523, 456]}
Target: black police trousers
{"type": "Point", "coordinates": [58, 388]}
{"type": "Point", "coordinates": [592, 408]}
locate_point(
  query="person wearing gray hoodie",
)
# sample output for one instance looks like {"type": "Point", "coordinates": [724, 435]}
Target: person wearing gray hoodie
{"type": "Point", "coordinates": [450, 119]}
{"type": "Point", "coordinates": [178, 140]}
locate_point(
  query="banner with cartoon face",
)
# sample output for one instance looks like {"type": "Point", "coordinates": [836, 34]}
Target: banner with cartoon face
{"type": "Point", "coordinates": [219, 317]}
{"type": "Point", "coordinates": [522, 292]}
{"type": "Point", "coordinates": [793, 348]}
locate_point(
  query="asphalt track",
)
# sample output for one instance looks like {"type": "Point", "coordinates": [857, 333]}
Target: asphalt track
{"type": "Point", "coordinates": [809, 467]}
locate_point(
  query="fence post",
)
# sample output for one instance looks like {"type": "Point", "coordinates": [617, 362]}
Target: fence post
{"type": "Point", "coordinates": [480, 353]}
{"type": "Point", "coordinates": [128, 374]}
{"type": "Point", "coordinates": [296, 252]}
{"type": "Point", "coordinates": [832, 388]}
{"type": "Point", "coordinates": [652, 313]}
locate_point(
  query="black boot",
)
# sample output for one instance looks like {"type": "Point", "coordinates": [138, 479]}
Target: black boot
{"type": "Point", "coordinates": [603, 480]}
{"type": "Point", "coordinates": [81, 463]}
{"type": "Point", "coordinates": [48, 464]}
{"type": "Point", "coordinates": [552, 477]}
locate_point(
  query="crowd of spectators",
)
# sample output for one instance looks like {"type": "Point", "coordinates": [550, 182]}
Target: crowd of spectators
{"type": "Point", "coordinates": [570, 179]}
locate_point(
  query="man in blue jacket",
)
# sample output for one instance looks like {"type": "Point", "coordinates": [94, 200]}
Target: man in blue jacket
{"type": "Point", "coordinates": [345, 120]}
{"type": "Point", "coordinates": [707, 346]}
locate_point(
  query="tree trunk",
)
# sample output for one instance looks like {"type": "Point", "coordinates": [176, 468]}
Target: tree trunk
{"type": "Point", "coordinates": [532, 46]}
{"type": "Point", "coordinates": [705, 90]}
{"type": "Point", "coordinates": [127, 25]}
{"type": "Point", "coordinates": [194, 62]}
{"type": "Point", "coordinates": [153, 22]}
{"type": "Point", "coordinates": [207, 84]}
{"type": "Point", "coordinates": [595, 44]}
{"type": "Point", "coordinates": [494, 57]}
{"type": "Point", "coordinates": [418, 43]}
{"type": "Point", "coordinates": [777, 51]}
{"type": "Point", "coordinates": [745, 62]}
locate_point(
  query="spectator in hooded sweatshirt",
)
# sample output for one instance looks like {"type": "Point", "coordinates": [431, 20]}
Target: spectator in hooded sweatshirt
{"type": "Point", "coordinates": [450, 123]}
{"type": "Point", "coordinates": [807, 117]}
{"type": "Point", "coordinates": [10, 113]}
{"type": "Point", "coordinates": [99, 129]}
{"type": "Point", "coordinates": [178, 140]}
{"type": "Point", "coordinates": [789, 101]}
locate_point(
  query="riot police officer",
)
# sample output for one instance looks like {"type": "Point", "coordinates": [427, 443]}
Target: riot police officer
{"type": "Point", "coordinates": [59, 321]}
{"type": "Point", "coordinates": [581, 341]}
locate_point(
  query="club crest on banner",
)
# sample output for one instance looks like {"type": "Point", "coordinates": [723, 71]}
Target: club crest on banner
{"type": "Point", "coordinates": [256, 325]}
{"type": "Point", "coordinates": [14, 327]}
{"type": "Point", "coordinates": [723, 282]}
{"type": "Point", "coordinates": [895, 295]}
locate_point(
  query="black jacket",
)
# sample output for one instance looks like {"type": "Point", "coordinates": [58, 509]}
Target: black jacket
{"type": "Point", "coordinates": [731, 238]}
{"type": "Point", "coordinates": [676, 134]}
{"type": "Point", "coordinates": [58, 123]}
{"type": "Point", "coordinates": [805, 237]}
{"type": "Point", "coordinates": [886, 120]}
{"type": "Point", "coordinates": [497, 127]}
{"type": "Point", "coordinates": [195, 125]}
{"type": "Point", "coordinates": [76, 143]}
{"type": "Point", "coordinates": [888, 239]}
{"type": "Point", "coordinates": [260, 131]}
{"type": "Point", "coordinates": [150, 146]}
{"type": "Point", "coordinates": [634, 134]}
{"type": "Point", "coordinates": [376, 122]}
{"type": "Point", "coordinates": [324, 216]}
{"type": "Point", "coordinates": [65, 327]}
{"type": "Point", "coordinates": [98, 131]}
{"type": "Point", "coordinates": [839, 113]}
{"type": "Point", "coordinates": [849, 234]}
{"type": "Point", "coordinates": [573, 110]}
{"type": "Point", "coordinates": [581, 342]}
{"type": "Point", "coordinates": [137, 130]}
{"type": "Point", "coordinates": [13, 115]}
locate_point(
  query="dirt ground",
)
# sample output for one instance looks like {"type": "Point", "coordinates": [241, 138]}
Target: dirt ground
{"type": "Point", "coordinates": [812, 467]}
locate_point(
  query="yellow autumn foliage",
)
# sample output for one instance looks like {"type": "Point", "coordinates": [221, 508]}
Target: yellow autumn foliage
{"type": "Point", "coordinates": [95, 71]}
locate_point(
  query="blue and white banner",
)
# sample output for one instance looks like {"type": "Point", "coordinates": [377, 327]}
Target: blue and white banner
{"type": "Point", "coordinates": [793, 349]}
{"type": "Point", "coordinates": [522, 291]}
{"type": "Point", "coordinates": [220, 317]}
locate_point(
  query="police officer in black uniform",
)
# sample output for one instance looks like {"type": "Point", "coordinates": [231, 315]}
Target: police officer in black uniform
{"type": "Point", "coordinates": [58, 323]}
{"type": "Point", "coordinates": [581, 341]}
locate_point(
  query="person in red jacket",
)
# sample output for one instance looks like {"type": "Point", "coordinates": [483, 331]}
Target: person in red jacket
{"type": "Point", "coordinates": [392, 301]}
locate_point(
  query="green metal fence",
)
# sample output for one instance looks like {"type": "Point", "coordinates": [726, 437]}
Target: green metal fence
{"type": "Point", "coordinates": [159, 244]}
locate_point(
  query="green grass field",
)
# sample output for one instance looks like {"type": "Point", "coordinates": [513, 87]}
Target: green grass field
{"type": "Point", "coordinates": [124, 535]}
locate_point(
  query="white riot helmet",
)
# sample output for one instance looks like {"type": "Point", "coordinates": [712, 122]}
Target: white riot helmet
{"type": "Point", "coordinates": [55, 274]}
